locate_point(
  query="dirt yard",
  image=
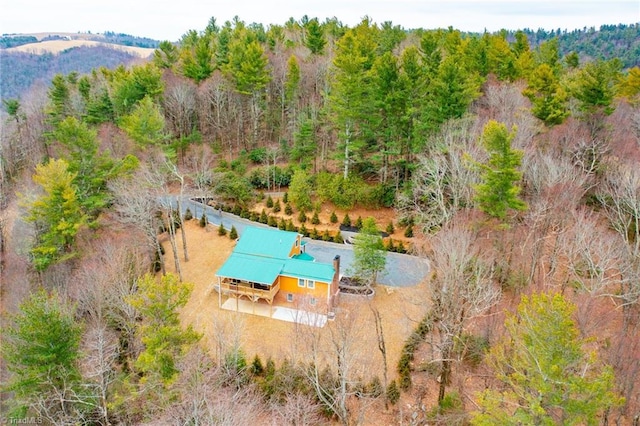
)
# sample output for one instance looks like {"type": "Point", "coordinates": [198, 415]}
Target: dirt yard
{"type": "Point", "coordinates": [400, 309]}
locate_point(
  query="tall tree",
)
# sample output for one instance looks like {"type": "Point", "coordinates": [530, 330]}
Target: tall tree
{"type": "Point", "coordinates": [461, 289]}
{"type": "Point", "coordinates": [314, 37]}
{"type": "Point", "coordinates": [145, 124]}
{"type": "Point", "coordinates": [158, 301]}
{"type": "Point", "coordinates": [548, 377]}
{"type": "Point", "coordinates": [369, 256]}
{"type": "Point", "coordinates": [56, 213]}
{"type": "Point", "coordinates": [499, 191]}
{"type": "Point", "coordinates": [41, 351]}
{"type": "Point", "coordinates": [351, 97]}
{"type": "Point", "coordinates": [549, 99]}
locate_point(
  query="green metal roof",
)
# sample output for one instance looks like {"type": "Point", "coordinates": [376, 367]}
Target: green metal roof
{"type": "Point", "coordinates": [266, 242]}
{"type": "Point", "coordinates": [304, 256]}
{"type": "Point", "coordinates": [262, 254]}
{"type": "Point", "coordinates": [306, 269]}
{"type": "Point", "coordinates": [250, 268]}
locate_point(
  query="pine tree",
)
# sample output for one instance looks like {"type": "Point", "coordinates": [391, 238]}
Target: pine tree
{"type": "Point", "coordinates": [334, 217]}
{"type": "Point", "coordinates": [499, 191]}
{"type": "Point", "coordinates": [369, 257]}
{"type": "Point", "coordinates": [164, 338]}
{"type": "Point", "coordinates": [57, 214]}
{"type": "Point", "coordinates": [547, 375]}
{"type": "Point", "coordinates": [233, 234]}
{"type": "Point", "coordinates": [40, 346]}
{"type": "Point", "coordinates": [315, 219]}
{"type": "Point", "coordinates": [221, 230]}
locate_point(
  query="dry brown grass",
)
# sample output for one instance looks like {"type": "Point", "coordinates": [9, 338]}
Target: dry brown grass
{"type": "Point", "coordinates": [400, 309]}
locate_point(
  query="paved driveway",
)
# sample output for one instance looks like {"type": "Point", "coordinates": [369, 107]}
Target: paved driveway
{"type": "Point", "coordinates": [401, 270]}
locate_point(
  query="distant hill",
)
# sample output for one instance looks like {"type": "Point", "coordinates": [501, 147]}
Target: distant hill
{"type": "Point", "coordinates": [610, 41]}
{"type": "Point", "coordinates": [28, 58]}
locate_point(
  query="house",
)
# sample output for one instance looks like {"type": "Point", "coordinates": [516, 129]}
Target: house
{"type": "Point", "coordinates": [271, 265]}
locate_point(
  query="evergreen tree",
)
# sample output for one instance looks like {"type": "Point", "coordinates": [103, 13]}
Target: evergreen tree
{"type": "Point", "coordinates": [40, 346]}
{"type": "Point", "coordinates": [57, 214]}
{"type": "Point", "coordinates": [146, 124]}
{"type": "Point", "coordinates": [164, 338]}
{"type": "Point", "coordinates": [499, 191]}
{"type": "Point", "coordinates": [334, 217]}
{"type": "Point", "coordinates": [233, 234]}
{"type": "Point", "coordinates": [548, 377]}
{"type": "Point", "coordinates": [369, 257]}
{"type": "Point", "coordinates": [300, 190]}
{"type": "Point", "coordinates": [547, 96]}
{"type": "Point", "coordinates": [314, 37]}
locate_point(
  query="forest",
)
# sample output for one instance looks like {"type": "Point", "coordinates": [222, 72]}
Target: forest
{"type": "Point", "coordinates": [508, 161]}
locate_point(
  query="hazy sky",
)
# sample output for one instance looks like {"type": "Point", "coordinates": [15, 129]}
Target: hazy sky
{"type": "Point", "coordinates": [168, 20]}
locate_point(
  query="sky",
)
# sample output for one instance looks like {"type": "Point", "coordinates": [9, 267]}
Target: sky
{"type": "Point", "coordinates": [169, 20]}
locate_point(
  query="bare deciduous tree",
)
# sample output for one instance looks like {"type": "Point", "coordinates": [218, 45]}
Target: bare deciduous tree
{"type": "Point", "coordinates": [460, 290]}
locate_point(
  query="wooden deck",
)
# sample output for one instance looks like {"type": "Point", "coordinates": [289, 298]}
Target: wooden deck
{"type": "Point", "coordinates": [248, 290]}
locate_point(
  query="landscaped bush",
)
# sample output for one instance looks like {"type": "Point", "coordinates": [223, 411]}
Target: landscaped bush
{"type": "Point", "coordinates": [269, 202]}
{"type": "Point", "coordinates": [302, 217]}
{"type": "Point", "coordinates": [315, 219]}
{"type": "Point", "coordinates": [333, 218]}
{"type": "Point", "coordinates": [347, 220]}
{"type": "Point", "coordinates": [288, 210]}
{"type": "Point", "coordinates": [187, 214]}
{"type": "Point", "coordinates": [203, 220]}
{"type": "Point", "coordinates": [277, 206]}
{"type": "Point", "coordinates": [233, 234]}
{"type": "Point", "coordinates": [221, 230]}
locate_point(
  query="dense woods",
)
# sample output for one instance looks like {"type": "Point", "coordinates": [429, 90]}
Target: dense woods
{"type": "Point", "coordinates": [510, 161]}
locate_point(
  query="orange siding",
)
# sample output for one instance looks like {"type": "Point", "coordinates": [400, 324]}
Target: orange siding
{"type": "Point", "coordinates": [290, 285]}
{"type": "Point", "coordinates": [296, 249]}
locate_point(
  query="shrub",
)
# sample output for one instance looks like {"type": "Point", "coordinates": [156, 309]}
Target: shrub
{"type": "Point", "coordinates": [237, 210]}
{"type": "Point", "coordinates": [282, 225]}
{"type": "Point", "coordinates": [390, 229]}
{"type": "Point", "coordinates": [338, 238]}
{"type": "Point", "coordinates": [400, 248]}
{"type": "Point", "coordinates": [409, 231]}
{"type": "Point", "coordinates": [233, 234]}
{"type": "Point", "coordinates": [334, 217]}
{"type": "Point", "coordinates": [263, 217]}
{"type": "Point", "coordinates": [314, 233]}
{"type": "Point", "coordinates": [291, 227]}
{"type": "Point", "coordinates": [277, 207]}
{"type": "Point", "coordinates": [221, 230]}
{"type": "Point", "coordinates": [393, 393]}
{"type": "Point", "coordinates": [203, 220]}
{"type": "Point", "coordinates": [326, 236]}
{"type": "Point", "coordinates": [256, 369]}
{"type": "Point", "coordinates": [347, 220]}
{"type": "Point", "coordinates": [315, 219]}
{"type": "Point", "coordinates": [358, 223]}
{"type": "Point", "coordinates": [302, 217]}
{"type": "Point", "coordinates": [303, 230]}
{"type": "Point", "coordinates": [258, 155]}
{"type": "Point", "coordinates": [288, 210]}
{"type": "Point", "coordinates": [389, 246]}
{"type": "Point", "coordinates": [272, 222]}
{"type": "Point", "coordinates": [285, 198]}
{"type": "Point", "coordinates": [374, 388]}
{"type": "Point", "coordinates": [269, 202]}
{"type": "Point", "coordinates": [187, 214]}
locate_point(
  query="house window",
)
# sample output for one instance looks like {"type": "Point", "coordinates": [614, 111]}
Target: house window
{"type": "Point", "coordinates": [313, 301]}
{"type": "Point", "coordinates": [300, 282]}
{"type": "Point", "coordinates": [289, 297]}
{"type": "Point", "coordinates": [311, 284]}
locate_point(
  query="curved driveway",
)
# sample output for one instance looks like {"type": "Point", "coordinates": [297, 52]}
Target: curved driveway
{"type": "Point", "coordinates": [401, 270]}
